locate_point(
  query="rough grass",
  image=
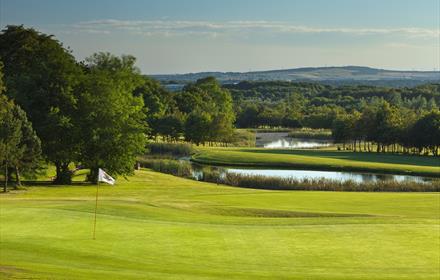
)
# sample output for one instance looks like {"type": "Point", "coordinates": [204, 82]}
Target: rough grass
{"type": "Point", "coordinates": [321, 160]}
{"type": "Point", "coordinates": [157, 226]}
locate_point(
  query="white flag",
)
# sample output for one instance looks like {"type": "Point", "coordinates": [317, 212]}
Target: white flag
{"type": "Point", "coordinates": [104, 177]}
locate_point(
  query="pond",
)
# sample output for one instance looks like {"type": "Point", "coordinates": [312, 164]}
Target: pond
{"type": "Point", "coordinates": [281, 140]}
{"type": "Point", "coordinates": [274, 140]}
{"type": "Point", "coordinates": [358, 177]}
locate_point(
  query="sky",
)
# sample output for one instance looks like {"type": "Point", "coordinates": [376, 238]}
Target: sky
{"type": "Point", "coordinates": [182, 36]}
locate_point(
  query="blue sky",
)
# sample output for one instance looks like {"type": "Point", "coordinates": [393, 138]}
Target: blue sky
{"type": "Point", "coordinates": [179, 36]}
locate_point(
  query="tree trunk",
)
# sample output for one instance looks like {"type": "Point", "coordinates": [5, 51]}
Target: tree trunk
{"type": "Point", "coordinates": [5, 187]}
{"type": "Point", "coordinates": [64, 176]}
{"type": "Point", "coordinates": [10, 171]}
{"type": "Point", "coordinates": [17, 177]}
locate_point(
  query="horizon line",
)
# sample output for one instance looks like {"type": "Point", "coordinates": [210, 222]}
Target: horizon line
{"type": "Point", "coordinates": [435, 70]}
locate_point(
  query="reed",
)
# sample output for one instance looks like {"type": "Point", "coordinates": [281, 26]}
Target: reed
{"type": "Point", "coordinates": [174, 167]}
{"type": "Point", "coordinates": [275, 183]}
{"type": "Point", "coordinates": [173, 149]}
{"type": "Point", "coordinates": [211, 175]}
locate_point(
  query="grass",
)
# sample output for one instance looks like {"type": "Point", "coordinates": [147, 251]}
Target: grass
{"type": "Point", "coordinates": [157, 226]}
{"type": "Point", "coordinates": [321, 160]}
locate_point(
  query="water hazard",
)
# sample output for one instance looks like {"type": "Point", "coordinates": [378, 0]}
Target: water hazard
{"type": "Point", "coordinates": [300, 175]}
{"type": "Point", "coordinates": [281, 140]}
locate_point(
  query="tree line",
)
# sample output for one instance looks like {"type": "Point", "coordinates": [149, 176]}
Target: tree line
{"type": "Point", "coordinates": [289, 104]}
{"type": "Point", "coordinates": [366, 118]}
{"type": "Point", "coordinates": [201, 112]}
{"type": "Point", "coordinates": [96, 113]}
{"type": "Point", "coordinates": [387, 128]}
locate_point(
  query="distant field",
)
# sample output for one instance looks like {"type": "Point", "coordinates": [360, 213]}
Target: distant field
{"type": "Point", "coordinates": [156, 226]}
{"type": "Point", "coordinates": [321, 160]}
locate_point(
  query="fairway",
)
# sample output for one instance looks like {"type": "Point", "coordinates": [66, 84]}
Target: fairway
{"type": "Point", "coordinates": [156, 226]}
{"type": "Point", "coordinates": [321, 160]}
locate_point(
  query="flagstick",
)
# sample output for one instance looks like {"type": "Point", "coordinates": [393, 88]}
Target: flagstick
{"type": "Point", "coordinates": [96, 207]}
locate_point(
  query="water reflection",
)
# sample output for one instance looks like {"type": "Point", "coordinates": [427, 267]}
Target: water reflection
{"type": "Point", "coordinates": [280, 140]}
{"type": "Point", "coordinates": [311, 174]}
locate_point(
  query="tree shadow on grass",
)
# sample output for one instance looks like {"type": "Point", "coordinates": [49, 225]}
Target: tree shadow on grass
{"type": "Point", "coordinates": [48, 183]}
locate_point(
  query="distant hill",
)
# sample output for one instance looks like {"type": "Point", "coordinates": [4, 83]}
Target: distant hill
{"type": "Point", "coordinates": [327, 75]}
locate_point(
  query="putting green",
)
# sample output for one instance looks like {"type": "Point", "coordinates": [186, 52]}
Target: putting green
{"type": "Point", "coordinates": [156, 226]}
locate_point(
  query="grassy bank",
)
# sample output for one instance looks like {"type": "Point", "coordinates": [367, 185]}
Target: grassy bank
{"type": "Point", "coordinates": [321, 160]}
{"type": "Point", "coordinates": [157, 226]}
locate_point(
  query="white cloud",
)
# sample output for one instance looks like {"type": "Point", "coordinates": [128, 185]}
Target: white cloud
{"type": "Point", "coordinates": [179, 28]}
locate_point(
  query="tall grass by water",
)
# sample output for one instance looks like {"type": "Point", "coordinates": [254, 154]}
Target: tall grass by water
{"type": "Point", "coordinates": [275, 183]}
{"type": "Point", "coordinates": [173, 149]}
{"type": "Point", "coordinates": [169, 166]}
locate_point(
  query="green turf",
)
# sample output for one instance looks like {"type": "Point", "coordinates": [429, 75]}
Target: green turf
{"type": "Point", "coordinates": [157, 226]}
{"type": "Point", "coordinates": [321, 160]}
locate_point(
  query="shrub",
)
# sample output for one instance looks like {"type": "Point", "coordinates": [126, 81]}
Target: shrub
{"type": "Point", "coordinates": [243, 138]}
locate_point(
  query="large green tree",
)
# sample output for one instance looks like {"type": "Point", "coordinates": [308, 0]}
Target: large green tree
{"type": "Point", "coordinates": [197, 127]}
{"type": "Point", "coordinates": [111, 117]}
{"type": "Point", "coordinates": [163, 117]}
{"type": "Point", "coordinates": [426, 132]}
{"type": "Point", "coordinates": [207, 96]}
{"type": "Point", "coordinates": [40, 75]}
{"type": "Point", "coordinates": [342, 130]}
